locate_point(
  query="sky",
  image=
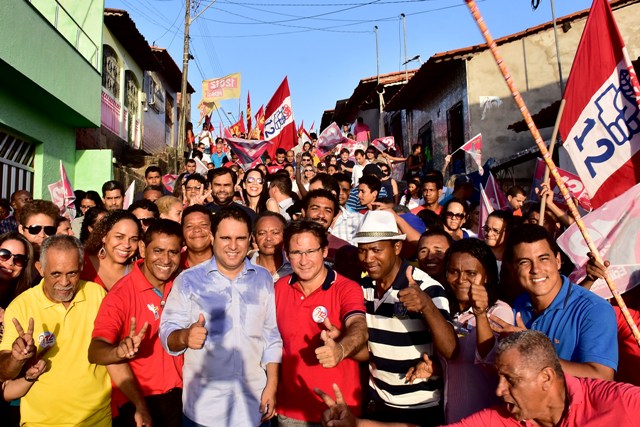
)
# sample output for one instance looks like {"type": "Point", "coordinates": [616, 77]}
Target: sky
{"type": "Point", "coordinates": [324, 46]}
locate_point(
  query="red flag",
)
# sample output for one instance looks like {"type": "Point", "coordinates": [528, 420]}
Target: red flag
{"type": "Point", "coordinates": [601, 121]}
{"type": "Point", "coordinates": [495, 194]}
{"type": "Point", "coordinates": [573, 183]}
{"type": "Point", "coordinates": [474, 148]}
{"type": "Point", "coordinates": [249, 127]}
{"type": "Point", "coordinates": [279, 126]}
{"type": "Point", "coordinates": [301, 128]}
{"type": "Point", "coordinates": [238, 127]}
{"type": "Point", "coordinates": [328, 139]}
{"type": "Point", "coordinates": [260, 119]}
{"type": "Point", "coordinates": [313, 124]}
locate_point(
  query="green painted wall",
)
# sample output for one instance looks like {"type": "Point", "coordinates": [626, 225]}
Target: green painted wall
{"type": "Point", "coordinates": [93, 168]}
{"type": "Point", "coordinates": [58, 71]}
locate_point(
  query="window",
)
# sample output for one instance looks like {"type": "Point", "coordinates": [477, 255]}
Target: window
{"type": "Point", "coordinates": [110, 71]}
{"type": "Point", "coordinates": [168, 109]}
{"type": "Point", "coordinates": [131, 96]}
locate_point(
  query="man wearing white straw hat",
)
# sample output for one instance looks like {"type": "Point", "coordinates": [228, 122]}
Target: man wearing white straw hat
{"type": "Point", "coordinates": [407, 316]}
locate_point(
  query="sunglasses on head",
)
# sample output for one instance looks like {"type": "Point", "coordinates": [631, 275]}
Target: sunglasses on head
{"type": "Point", "coordinates": [49, 230]}
{"type": "Point", "coordinates": [18, 259]}
{"type": "Point", "coordinates": [146, 221]}
{"type": "Point", "coordinates": [253, 179]}
{"type": "Point", "coordinates": [455, 215]}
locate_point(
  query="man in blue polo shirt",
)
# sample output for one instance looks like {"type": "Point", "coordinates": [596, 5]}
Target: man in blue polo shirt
{"type": "Point", "coordinates": [581, 325]}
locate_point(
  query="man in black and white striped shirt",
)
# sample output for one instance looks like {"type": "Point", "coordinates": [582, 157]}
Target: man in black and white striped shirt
{"type": "Point", "coordinates": [407, 316]}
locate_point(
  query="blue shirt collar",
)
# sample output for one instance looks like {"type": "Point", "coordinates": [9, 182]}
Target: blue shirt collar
{"type": "Point", "coordinates": [559, 302]}
{"type": "Point", "coordinates": [246, 267]}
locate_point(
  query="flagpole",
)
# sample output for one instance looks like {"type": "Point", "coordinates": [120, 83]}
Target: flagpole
{"type": "Point", "coordinates": [554, 136]}
{"type": "Point", "coordinates": [473, 8]}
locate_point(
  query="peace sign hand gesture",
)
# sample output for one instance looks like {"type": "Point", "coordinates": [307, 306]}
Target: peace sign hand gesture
{"type": "Point", "coordinates": [23, 347]}
{"type": "Point", "coordinates": [129, 346]}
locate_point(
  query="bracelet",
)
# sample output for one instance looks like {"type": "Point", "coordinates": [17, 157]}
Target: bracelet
{"type": "Point", "coordinates": [30, 380]}
{"type": "Point", "coordinates": [341, 347]}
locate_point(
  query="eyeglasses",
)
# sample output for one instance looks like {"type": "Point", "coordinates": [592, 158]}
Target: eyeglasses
{"type": "Point", "coordinates": [452, 215]}
{"type": "Point", "coordinates": [253, 179]}
{"type": "Point", "coordinates": [298, 254]}
{"type": "Point", "coordinates": [18, 259]}
{"type": "Point", "coordinates": [194, 188]}
{"type": "Point", "coordinates": [308, 170]}
{"type": "Point", "coordinates": [488, 230]}
{"type": "Point", "coordinates": [49, 230]}
{"type": "Point", "coordinates": [146, 221]}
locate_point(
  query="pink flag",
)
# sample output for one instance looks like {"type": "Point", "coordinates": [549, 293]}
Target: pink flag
{"type": "Point", "coordinates": [485, 209]}
{"type": "Point", "coordinates": [279, 126]}
{"type": "Point", "coordinates": [382, 144]}
{"type": "Point", "coordinates": [169, 181]}
{"type": "Point", "coordinates": [573, 183]}
{"type": "Point", "coordinates": [474, 148]}
{"type": "Point", "coordinates": [248, 151]}
{"type": "Point", "coordinates": [614, 227]}
{"type": "Point", "coordinates": [495, 194]}
{"type": "Point", "coordinates": [62, 195]}
{"type": "Point", "coordinates": [329, 139]}
{"type": "Point", "coordinates": [600, 125]}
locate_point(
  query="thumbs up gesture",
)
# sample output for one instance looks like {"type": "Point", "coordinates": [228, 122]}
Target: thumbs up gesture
{"type": "Point", "coordinates": [332, 352]}
{"type": "Point", "coordinates": [478, 299]}
{"type": "Point", "coordinates": [197, 334]}
{"type": "Point", "coordinates": [413, 298]}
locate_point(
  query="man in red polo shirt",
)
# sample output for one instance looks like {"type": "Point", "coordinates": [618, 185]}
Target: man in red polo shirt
{"type": "Point", "coordinates": [126, 328]}
{"type": "Point", "coordinates": [320, 316]}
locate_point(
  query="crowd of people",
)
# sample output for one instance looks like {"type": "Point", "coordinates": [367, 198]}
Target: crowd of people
{"type": "Point", "coordinates": [304, 291]}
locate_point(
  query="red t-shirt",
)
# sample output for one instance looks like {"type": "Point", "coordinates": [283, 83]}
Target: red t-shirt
{"type": "Point", "coordinates": [592, 403]}
{"type": "Point", "coordinates": [133, 296]}
{"type": "Point", "coordinates": [301, 371]}
{"type": "Point", "coordinates": [90, 274]}
{"type": "Point", "coordinates": [628, 349]}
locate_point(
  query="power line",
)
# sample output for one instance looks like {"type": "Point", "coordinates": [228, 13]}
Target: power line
{"type": "Point", "coordinates": [323, 4]}
{"type": "Point", "coordinates": [173, 24]}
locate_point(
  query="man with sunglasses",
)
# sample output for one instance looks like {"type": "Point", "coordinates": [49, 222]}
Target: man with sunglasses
{"type": "Point", "coordinates": [146, 212]}
{"type": "Point", "coordinates": [37, 222]}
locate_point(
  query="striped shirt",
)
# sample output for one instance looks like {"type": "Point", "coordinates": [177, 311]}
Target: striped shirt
{"type": "Point", "coordinates": [397, 340]}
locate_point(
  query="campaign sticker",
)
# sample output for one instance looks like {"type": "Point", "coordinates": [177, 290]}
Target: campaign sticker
{"type": "Point", "coordinates": [319, 314]}
{"type": "Point", "coordinates": [46, 339]}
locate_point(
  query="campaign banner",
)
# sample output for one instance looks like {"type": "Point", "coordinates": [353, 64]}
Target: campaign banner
{"type": "Point", "coordinates": [169, 181]}
{"type": "Point", "coordinates": [382, 144]}
{"type": "Point", "coordinates": [279, 125]}
{"type": "Point", "coordinates": [614, 228]}
{"type": "Point", "coordinates": [328, 139]}
{"type": "Point", "coordinates": [227, 87]}
{"type": "Point", "coordinates": [571, 181]}
{"type": "Point", "coordinates": [600, 125]}
{"type": "Point", "coordinates": [248, 150]}
{"type": "Point", "coordinates": [474, 148]}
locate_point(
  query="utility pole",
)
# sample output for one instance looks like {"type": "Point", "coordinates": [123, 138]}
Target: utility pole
{"type": "Point", "coordinates": [555, 33]}
{"type": "Point", "coordinates": [404, 36]}
{"type": "Point", "coordinates": [375, 30]}
{"type": "Point", "coordinates": [182, 123]}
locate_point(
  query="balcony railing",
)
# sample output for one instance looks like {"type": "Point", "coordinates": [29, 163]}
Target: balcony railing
{"type": "Point", "coordinates": [69, 28]}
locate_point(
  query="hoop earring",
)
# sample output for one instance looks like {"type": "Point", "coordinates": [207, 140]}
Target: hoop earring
{"type": "Point", "coordinates": [102, 253]}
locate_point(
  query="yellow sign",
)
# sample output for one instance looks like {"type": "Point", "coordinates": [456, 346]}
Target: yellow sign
{"type": "Point", "coordinates": [227, 87]}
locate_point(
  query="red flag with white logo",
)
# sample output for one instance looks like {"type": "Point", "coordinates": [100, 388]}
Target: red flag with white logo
{"type": "Point", "coordinates": [601, 121]}
{"type": "Point", "coordinates": [279, 126]}
{"type": "Point", "coordinates": [474, 148]}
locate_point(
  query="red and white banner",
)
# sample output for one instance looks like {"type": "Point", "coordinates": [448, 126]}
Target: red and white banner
{"type": "Point", "coordinates": [382, 144]}
{"type": "Point", "coordinates": [62, 195]}
{"type": "Point", "coordinates": [485, 209]}
{"type": "Point", "coordinates": [169, 181]}
{"type": "Point", "coordinates": [248, 151]}
{"type": "Point", "coordinates": [474, 148]}
{"type": "Point", "coordinates": [494, 193]}
{"type": "Point", "coordinates": [601, 121]}
{"type": "Point", "coordinates": [330, 137]}
{"type": "Point", "coordinates": [614, 228]}
{"type": "Point", "coordinates": [571, 181]}
{"type": "Point", "coordinates": [279, 126]}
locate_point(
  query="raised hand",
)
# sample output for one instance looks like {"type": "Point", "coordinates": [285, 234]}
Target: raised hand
{"type": "Point", "coordinates": [423, 369]}
{"type": "Point", "coordinates": [331, 353]}
{"type": "Point", "coordinates": [337, 414]}
{"type": "Point", "coordinates": [501, 327]}
{"type": "Point", "coordinates": [129, 346]}
{"type": "Point", "coordinates": [23, 347]}
{"type": "Point", "coordinates": [478, 299]}
{"type": "Point", "coordinates": [197, 334]}
{"type": "Point", "coordinates": [413, 298]}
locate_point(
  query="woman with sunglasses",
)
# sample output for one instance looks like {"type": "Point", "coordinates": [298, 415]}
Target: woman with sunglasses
{"type": "Point", "coordinates": [389, 184]}
{"type": "Point", "coordinates": [16, 265]}
{"type": "Point", "coordinates": [255, 191]}
{"type": "Point", "coordinates": [111, 248]}
{"type": "Point", "coordinates": [471, 280]}
{"type": "Point", "coordinates": [454, 214]}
